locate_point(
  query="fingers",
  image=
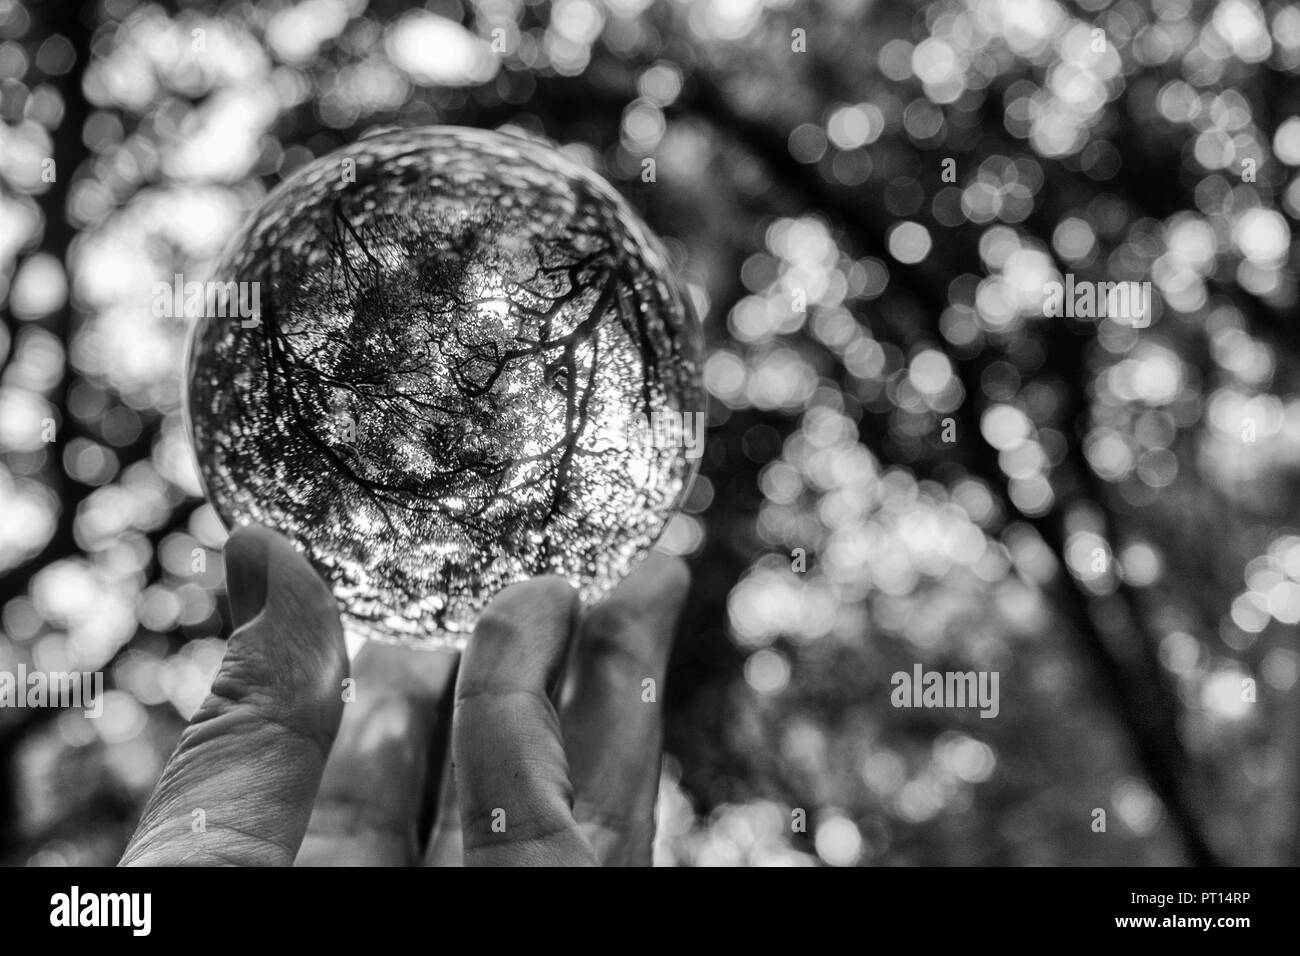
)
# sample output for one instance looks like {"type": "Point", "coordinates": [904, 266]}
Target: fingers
{"type": "Point", "coordinates": [368, 809]}
{"type": "Point", "coordinates": [239, 788]}
{"type": "Point", "coordinates": [515, 798]}
{"type": "Point", "coordinates": [612, 718]}
{"type": "Point", "coordinates": [446, 843]}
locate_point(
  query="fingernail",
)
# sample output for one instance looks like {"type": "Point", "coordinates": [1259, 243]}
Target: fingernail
{"type": "Point", "coordinates": [247, 573]}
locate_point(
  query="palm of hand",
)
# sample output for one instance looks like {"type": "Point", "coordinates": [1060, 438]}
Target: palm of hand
{"type": "Point", "coordinates": [290, 761]}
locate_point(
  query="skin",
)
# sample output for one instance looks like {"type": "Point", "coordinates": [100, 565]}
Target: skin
{"type": "Point", "coordinates": [555, 753]}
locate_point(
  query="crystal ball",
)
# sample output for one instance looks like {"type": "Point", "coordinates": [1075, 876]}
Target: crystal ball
{"type": "Point", "coordinates": [441, 361]}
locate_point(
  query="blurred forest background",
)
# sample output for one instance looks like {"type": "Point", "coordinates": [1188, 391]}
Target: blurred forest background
{"type": "Point", "coordinates": [908, 462]}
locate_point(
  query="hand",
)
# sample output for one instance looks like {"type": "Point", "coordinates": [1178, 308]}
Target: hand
{"type": "Point", "coordinates": [277, 767]}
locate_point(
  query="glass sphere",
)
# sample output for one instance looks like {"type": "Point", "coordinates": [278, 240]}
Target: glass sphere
{"type": "Point", "coordinates": [441, 361]}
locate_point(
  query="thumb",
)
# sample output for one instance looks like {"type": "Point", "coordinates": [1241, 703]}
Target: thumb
{"type": "Point", "coordinates": [240, 786]}
{"type": "Point", "coordinates": [512, 777]}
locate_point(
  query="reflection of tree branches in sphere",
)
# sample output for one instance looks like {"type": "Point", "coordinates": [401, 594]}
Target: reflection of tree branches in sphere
{"type": "Point", "coordinates": [436, 399]}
